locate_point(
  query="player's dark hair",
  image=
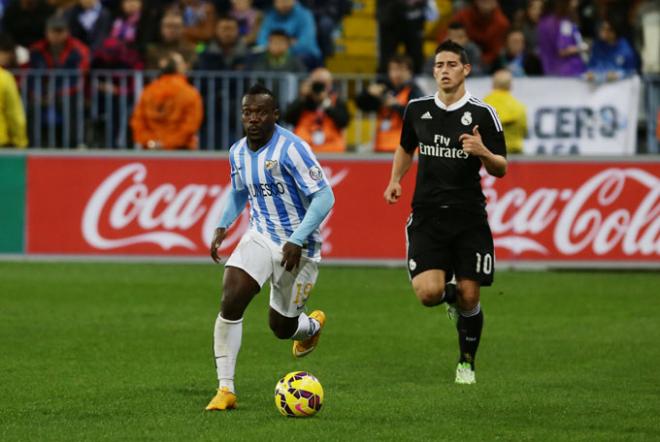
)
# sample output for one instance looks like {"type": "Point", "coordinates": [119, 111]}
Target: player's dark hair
{"type": "Point", "coordinates": [452, 46]}
{"type": "Point", "coordinates": [402, 60]}
{"type": "Point", "coordinates": [260, 89]}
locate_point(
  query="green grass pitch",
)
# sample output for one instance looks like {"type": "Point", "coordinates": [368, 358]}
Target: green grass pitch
{"type": "Point", "coordinates": [100, 352]}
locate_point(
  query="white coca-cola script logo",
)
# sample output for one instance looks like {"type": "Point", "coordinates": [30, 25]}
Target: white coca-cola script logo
{"type": "Point", "coordinates": [583, 221]}
{"type": "Point", "coordinates": [183, 208]}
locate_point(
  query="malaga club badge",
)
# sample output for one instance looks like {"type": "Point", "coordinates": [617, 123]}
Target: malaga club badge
{"type": "Point", "coordinates": [466, 119]}
{"type": "Point", "coordinates": [315, 173]}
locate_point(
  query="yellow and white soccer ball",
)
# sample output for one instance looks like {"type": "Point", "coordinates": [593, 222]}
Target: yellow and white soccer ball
{"type": "Point", "coordinates": [298, 394]}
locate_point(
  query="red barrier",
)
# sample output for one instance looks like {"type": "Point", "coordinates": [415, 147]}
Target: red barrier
{"type": "Point", "coordinates": [542, 211]}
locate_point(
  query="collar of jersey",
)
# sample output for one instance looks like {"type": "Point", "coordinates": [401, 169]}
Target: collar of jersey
{"type": "Point", "coordinates": [452, 107]}
{"type": "Point", "coordinates": [276, 134]}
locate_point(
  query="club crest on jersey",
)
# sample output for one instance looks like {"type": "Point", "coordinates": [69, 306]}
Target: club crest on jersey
{"type": "Point", "coordinates": [466, 119]}
{"type": "Point", "coordinates": [315, 173]}
{"type": "Point", "coordinates": [270, 164]}
{"type": "Point", "coordinates": [412, 265]}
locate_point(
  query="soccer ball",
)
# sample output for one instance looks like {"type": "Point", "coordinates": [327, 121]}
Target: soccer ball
{"type": "Point", "coordinates": [298, 394]}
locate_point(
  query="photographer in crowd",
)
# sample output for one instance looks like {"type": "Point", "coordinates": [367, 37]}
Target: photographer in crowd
{"type": "Point", "coordinates": [389, 100]}
{"type": "Point", "coordinates": [319, 116]}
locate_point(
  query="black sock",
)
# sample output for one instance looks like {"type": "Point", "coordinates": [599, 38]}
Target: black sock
{"type": "Point", "coordinates": [469, 333]}
{"type": "Point", "coordinates": [450, 294]}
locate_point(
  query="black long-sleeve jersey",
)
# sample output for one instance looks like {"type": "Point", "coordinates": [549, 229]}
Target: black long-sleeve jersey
{"type": "Point", "coordinates": [448, 176]}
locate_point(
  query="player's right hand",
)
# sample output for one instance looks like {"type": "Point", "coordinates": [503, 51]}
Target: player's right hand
{"type": "Point", "coordinates": [218, 237]}
{"type": "Point", "coordinates": [392, 193]}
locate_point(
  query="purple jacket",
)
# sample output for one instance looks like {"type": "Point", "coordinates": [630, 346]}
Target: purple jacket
{"type": "Point", "coordinates": [554, 34]}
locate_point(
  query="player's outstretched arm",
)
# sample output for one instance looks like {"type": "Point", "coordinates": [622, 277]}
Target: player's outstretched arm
{"type": "Point", "coordinates": [236, 201]}
{"type": "Point", "coordinates": [321, 202]}
{"type": "Point", "coordinates": [400, 166]}
{"type": "Point", "coordinates": [473, 144]}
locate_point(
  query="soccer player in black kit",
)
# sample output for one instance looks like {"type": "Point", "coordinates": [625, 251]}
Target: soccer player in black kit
{"type": "Point", "coordinates": [447, 232]}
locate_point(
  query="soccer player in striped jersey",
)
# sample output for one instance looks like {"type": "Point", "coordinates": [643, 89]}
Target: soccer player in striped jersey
{"type": "Point", "coordinates": [448, 232]}
{"type": "Point", "coordinates": [289, 197]}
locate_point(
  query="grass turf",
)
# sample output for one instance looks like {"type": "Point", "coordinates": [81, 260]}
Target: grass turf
{"type": "Point", "coordinates": [123, 352]}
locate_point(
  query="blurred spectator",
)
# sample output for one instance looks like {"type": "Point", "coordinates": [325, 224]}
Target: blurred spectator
{"type": "Point", "coordinates": [278, 57]}
{"type": "Point", "coordinates": [12, 115]}
{"type": "Point", "coordinates": [226, 52]}
{"type": "Point", "coordinates": [327, 15]}
{"type": "Point", "coordinates": [89, 22]}
{"type": "Point", "coordinates": [59, 50]}
{"type": "Point", "coordinates": [171, 40]}
{"type": "Point", "coordinates": [120, 49]}
{"type": "Point", "coordinates": [612, 57]}
{"type": "Point", "coordinates": [400, 21]}
{"type": "Point", "coordinates": [126, 26]}
{"type": "Point", "coordinates": [249, 20]}
{"type": "Point", "coordinates": [115, 91]}
{"type": "Point", "coordinates": [511, 7]}
{"type": "Point", "coordinates": [199, 19]}
{"type": "Point", "coordinates": [319, 116]}
{"type": "Point", "coordinates": [25, 20]}
{"type": "Point", "coordinates": [151, 17]}
{"type": "Point", "coordinates": [457, 33]}
{"type": "Point", "coordinates": [560, 42]}
{"type": "Point", "coordinates": [389, 100]}
{"type": "Point", "coordinates": [487, 26]}
{"type": "Point", "coordinates": [512, 113]}
{"type": "Point", "coordinates": [169, 112]}
{"type": "Point", "coordinates": [527, 20]}
{"type": "Point", "coordinates": [516, 58]}
{"type": "Point", "coordinates": [298, 22]}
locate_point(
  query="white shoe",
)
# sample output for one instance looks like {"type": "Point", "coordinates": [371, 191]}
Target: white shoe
{"type": "Point", "coordinates": [465, 374]}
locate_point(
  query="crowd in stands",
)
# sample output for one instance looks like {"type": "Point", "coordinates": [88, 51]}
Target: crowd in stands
{"type": "Point", "coordinates": [597, 40]}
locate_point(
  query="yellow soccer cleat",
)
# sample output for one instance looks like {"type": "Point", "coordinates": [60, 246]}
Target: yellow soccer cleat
{"type": "Point", "coordinates": [223, 400]}
{"type": "Point", "coordinates": [303, 348]}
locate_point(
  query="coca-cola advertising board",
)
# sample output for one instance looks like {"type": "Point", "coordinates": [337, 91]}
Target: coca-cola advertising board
{"type": "Point", "coordinates": [568, 212]}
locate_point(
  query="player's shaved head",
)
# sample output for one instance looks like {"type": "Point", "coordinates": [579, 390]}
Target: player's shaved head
{"type": "Point", "coordinates": [260, 89]}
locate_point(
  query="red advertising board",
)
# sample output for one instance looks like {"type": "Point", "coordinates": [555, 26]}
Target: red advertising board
{"type": "Point", "coordinates": [582, 211]}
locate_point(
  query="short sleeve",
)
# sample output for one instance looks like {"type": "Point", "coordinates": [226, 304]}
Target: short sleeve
{"type": "Point", "coordinates": [236, 180]}
{"type": "Point", "coordinates": [409, 140]}
{"type": "Point", "coordinates": [492, 132]}
{"type": "Point", "coordinates": [303, 166]}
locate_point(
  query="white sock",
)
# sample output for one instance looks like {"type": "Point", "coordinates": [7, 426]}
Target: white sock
{"type": "Point", "coordinates": [226, 344]}
{"type": "Point", "coordinates": [307, 327]}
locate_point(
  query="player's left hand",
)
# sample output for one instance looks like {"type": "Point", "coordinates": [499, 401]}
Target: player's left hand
{"type": "Point", "coordinates": [218, 236]}
{"type": "Point", "coordinates": [291, 254]}
{"type": "Point", "coordinates": [473, 144]}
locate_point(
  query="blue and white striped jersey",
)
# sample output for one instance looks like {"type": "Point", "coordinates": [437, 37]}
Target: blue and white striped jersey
{"type": "Point", "coordinates": [280, 177]}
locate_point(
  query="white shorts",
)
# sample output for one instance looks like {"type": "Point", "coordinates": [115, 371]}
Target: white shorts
{"type": "Point", "coordinates": [260, 258]}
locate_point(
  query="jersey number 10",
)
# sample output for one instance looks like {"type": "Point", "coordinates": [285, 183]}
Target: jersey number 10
{"type": "Point", "coordinates": [487, 262]}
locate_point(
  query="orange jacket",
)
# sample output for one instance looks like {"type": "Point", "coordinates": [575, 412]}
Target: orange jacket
{"type": "Point", "coordinates": [389, 124]}
{"type": "Point", "coordinates": [320, 131]}
{"type": "Point", "coordinates": [169, 112]}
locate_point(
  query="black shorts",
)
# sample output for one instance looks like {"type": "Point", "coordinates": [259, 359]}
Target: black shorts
{"type": "Point", "coordinates": [457, 241]}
